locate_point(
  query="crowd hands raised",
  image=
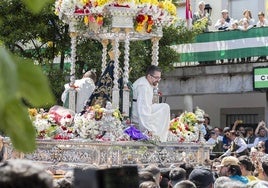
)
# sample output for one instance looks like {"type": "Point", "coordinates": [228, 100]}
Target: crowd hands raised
{"type": "Point", "coordinates": [239, 160]}
{"type": "Point", "coordinates": [239, 155]}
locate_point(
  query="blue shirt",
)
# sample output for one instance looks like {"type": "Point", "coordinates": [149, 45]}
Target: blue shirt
{"type": "Point", "coordinates": [242, 179]}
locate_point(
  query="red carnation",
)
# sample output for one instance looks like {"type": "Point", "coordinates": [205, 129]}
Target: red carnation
{"type": "Point", "coordinates": [63, 128]}
{"type": "Point", "coordinates": [79, 11]}
{"type": "Point", "coordinates": [140, 18]}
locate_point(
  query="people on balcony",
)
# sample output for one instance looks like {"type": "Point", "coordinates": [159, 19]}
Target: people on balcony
{"type": "Point", "coordinates": [262, 22]}
{"type": "Point", "coordinates": [234, 25]}
{"type": "Point", "coordinates": [248, 17]}
{"type": "Point", "coordinates": [245, 25]}
{"type": "Point", "coordinates": [224, 22]}
{"type": "Point", "coordinates": [202, 15]}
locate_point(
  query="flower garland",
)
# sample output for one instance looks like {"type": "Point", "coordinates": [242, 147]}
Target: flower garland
{"type": "Point", "coordinates": [149, 12]}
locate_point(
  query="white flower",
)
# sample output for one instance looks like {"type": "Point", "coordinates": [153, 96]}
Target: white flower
{"type": "Point", "coordinates": [41, 124]}
{"type": "Point", "coordinates": [68, 6]}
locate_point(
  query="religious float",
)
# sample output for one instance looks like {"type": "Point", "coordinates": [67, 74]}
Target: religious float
{"type": "Point", "coordinates": [100, 136]}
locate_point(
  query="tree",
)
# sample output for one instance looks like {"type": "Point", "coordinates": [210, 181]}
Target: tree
{"type": "Point", "coordinates": [21, 81]}
{"type": "Point", "coordinates": [38, 36]}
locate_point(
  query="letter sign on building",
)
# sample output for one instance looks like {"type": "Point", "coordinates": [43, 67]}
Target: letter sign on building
{"type": "Point", "coordinates": [260, 78]}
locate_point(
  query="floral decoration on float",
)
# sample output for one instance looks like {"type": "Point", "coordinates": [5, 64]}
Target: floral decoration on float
{"type": "Point", "coordinates": [107, 124]}
{"type": "Point", "coordinates": [98, 15]}
{"type": "Point", "coordinates": [98, 124]}
{"type": "Point", "coordinates": [186, 127]}
{"type": "Point", "coordinates": [52, 124]}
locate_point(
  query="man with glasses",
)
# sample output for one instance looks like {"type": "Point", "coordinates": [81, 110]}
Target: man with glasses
{"type": "Point", "coordinates": [150, 117]}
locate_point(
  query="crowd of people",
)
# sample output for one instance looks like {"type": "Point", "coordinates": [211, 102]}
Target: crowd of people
{"type": "Point", "coordinates": [239, 159]}
{"type": "Point", "coordinates": [245, 23]}
{"type": "Point", "coordinates": [231, 172]}
{"type": "Point", "coordinates": [239, 156]}
{"type": "Point", "coordinates": [227, 23]}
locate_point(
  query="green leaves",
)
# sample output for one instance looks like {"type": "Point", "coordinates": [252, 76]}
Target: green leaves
{"type": "Point", "coordinates": [36, 5]}
{"type": "Point", "coordinates": [33, 84]}
{"type": "Point", "coordinates": [18, 126]}
{"type": "Point", "coordinates": [20, 80]}
{"type": "Point", "coordinates": [8, 83]}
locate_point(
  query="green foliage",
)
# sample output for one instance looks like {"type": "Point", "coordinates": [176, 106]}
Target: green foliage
{"type": "Point", "coordinates": [21, 81]}
{"type": "Point", "coordinates": [36, 6]}
{"type": "Point", "coordinates": [37, 36]}
{"type": "Point", "coordinates": [89, 56]}
{"type": "Point", "coordinates": [57, 79]}
{"type": "Point", "coordinates": [179, 34]}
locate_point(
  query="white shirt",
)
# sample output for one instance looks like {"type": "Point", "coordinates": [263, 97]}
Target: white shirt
{"type": "Point", "coordinates": [240, 142]}
{"type": "Point", "coordinates": [223, 25]}
{"type": "Point", "coordinates": [262, 24]}
{"type": "Point", "coordinates": [214, 141]}
{"type": "Point", "coordinates": [85, 88]}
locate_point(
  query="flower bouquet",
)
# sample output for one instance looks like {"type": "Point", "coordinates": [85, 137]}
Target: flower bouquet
{"type": "Point", "coordinates": [103, 124]}
{"type": "Point", "coordinates": [50, 125]}
{"type": "Point", "coordinates": [183, 129]}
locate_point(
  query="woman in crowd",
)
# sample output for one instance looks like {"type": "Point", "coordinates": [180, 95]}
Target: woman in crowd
{"type": "Point", "coordinates": [247, 167]}
{"type": "Point", "coordinates": [248, 17]}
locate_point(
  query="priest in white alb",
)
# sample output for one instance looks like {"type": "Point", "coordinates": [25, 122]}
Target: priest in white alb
{"type": "Point", "coordinates": [84, 88]}
{"type": "Point", "coordinates": [151, 117]}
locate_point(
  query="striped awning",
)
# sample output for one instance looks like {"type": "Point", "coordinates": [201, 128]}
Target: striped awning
{"type": "Point", "coordinates": [225, 45]}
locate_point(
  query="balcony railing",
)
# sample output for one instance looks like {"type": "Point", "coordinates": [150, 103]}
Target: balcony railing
{"type": "Point", "coordinates": [225, 47]}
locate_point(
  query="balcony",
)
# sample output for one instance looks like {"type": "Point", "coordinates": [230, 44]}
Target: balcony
{"type": "Point", "coordinates": [223, 47]}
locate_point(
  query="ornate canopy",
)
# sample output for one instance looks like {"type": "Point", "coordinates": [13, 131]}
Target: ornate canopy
{"type": "Point", "coordinates": [114, 22]}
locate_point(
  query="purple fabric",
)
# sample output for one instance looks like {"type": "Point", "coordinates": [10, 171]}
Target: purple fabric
{"type": "Point", "coordinates": [135, 134]}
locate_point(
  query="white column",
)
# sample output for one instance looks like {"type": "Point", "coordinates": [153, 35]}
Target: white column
{"type": "Point", "coordinates": [104, 55]}
{"type": "Point", "coordinates": [188, 103]}
{"type": "Point", "coordinates": [155, 50]}
{"type": "Point", "coordinates": [72, 92]}
{"type": "Point", "coordinates": [126, 102]}
{"type": "Point", "coordinates": [115, 97]}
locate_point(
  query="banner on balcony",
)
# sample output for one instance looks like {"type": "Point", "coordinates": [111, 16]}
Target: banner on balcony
{"type": "Point", "coordinates": [225, 45]}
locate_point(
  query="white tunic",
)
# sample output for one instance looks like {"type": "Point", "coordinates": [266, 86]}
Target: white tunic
{"type": "Point", "coordinates": [85, 88]}
{"type": "Point", "coordinates": [153, 117]}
